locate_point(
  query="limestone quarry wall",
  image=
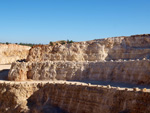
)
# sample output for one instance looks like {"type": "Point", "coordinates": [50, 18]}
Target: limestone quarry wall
{"type": "Point", "coordinates": [13, 97]}
{"type": "Point", "coordinates": [131, 47]}
{"type": "Point", "coordinates": [12, 52]}
{"type": "Point", "coordinates": [91, 99]}
{"type": "Point", "coordinates": [132, 71]}
{"type": "Point", "coordinates": [72, 98]}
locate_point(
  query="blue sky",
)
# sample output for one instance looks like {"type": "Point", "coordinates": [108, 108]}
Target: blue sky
{"type": "Point", "coordinates": [42, 21]}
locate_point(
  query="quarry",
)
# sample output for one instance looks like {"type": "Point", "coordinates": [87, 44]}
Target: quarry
{"type": "Point", "coordinates": [110, 75]}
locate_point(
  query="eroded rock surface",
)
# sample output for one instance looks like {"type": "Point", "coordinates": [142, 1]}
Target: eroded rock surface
{"type": "Point", "coordinates": [13, 97]}
{"type": "Point", "coordinates": [73, 98]}
{"type": "Point", "coordinates": [131, 47]}
{"type": "Point", "coordinates": [117, 59]}
{"type": "Point", "coordinates": [91, 99]}
{"type": "Point", "coordinates": [12, 52]}
{"type": "Point", "coordinates": [135, 72]}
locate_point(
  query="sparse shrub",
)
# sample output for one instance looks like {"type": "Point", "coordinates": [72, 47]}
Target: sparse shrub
{"type": "Point", "coordinates": [51, 43]}
{"type": "Point", "coordinates": [27, 44]}
{"type": "Point", "coordinates": [62, 42]}
{"type": "Point", "coordinates": [70, 41]}
{"type": "Point", "coordinates": [7, 43]}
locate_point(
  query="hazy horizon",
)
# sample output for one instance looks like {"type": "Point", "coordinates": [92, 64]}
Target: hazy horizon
{"type": "Point", "coordinates": [42, 21]}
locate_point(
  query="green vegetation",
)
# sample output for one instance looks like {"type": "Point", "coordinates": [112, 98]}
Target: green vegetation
{"type": "Point", "coordinates": [7, 43]}
{"type": "Point", "coordinates": [62, 42]}
{"type": "Point", "coordinates": [25, 44]}
{"type": "Point", "coordinates": [28, 44]}
{"type": "Point", "coordinates": [70, 41]}
{"type": "Point", "coordinates": [51, 43]}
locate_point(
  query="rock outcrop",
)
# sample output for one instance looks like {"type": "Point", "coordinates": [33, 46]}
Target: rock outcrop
{"type": "Point", "coordinates": [73, 98]}
{"type": "Point", "coordinates": [13, 97]}
{"type": "Point", "coordinates": [135, 72]}
{"type": "Point", "coordinates": [12, 52]}
{"type": "Point", "coordinates": [117, 59]}
{"type": "Point", "coordinates": [131, 47]}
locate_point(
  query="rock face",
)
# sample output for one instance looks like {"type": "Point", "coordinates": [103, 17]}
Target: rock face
{"type": "Point", "coordinates": [117, 59]}
{"type": "Point", "coordinates": [135, 72]}
{"type": "Point", "coordinates": [13, 97]}
{"type": "Point", "coordinates": [12, 52]}
{"type": "Point", "coordinates": [63, 98]}
{"type": "Point", "coordinates": [132, 47]}
{"type": "Point", "coordinates": [83, 99]}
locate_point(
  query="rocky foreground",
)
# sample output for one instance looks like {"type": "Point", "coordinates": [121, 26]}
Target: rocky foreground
{"type": "Point", "coordinates": [72, 97]}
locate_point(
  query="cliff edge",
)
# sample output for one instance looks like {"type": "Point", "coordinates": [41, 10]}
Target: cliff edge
{"type": "Point", "coordinates": [115, 48]}
{"type": "Point", "coordinates": [12, 52]}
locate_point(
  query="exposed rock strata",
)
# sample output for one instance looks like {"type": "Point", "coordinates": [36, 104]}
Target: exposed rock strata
{"type": "Point", "coordinates": [95, 62]}
{"type": "Point", "coordinates": [13, 97]}
{"type": "Point", "coordinates": [12, 52]}
{"type": "Point", "coordinates": [135, 72]}
{"type": "Point", "coordinates": [41, 97]}
{"type": "Point", "coordinates": [131, 47]}
{"type": "Point", "coordinates": [85, 99]}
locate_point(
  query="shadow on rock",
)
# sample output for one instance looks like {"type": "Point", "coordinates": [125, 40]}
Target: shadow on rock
{"type": "Point", "coordinates": [4, 74]}
{"type": "Point", "coordinates": [114, 84]}
{"type": "Point", "coordinates": [40, 102]}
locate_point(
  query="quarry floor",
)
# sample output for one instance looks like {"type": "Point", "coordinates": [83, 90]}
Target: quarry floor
{"type": "Point", "coordinates": [4, 69]}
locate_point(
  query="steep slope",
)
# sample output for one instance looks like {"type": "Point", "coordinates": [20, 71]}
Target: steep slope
{"type": "Point", "coordinates": [29, 97]}
{"type": "Point", "coordinates": [134, 72]}
{"type": "Point", "coordinates": [131, 47]}
{"type": "Point", "coordinates": [12, 52]}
